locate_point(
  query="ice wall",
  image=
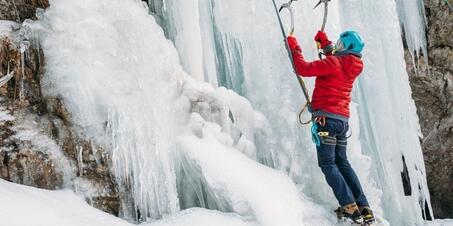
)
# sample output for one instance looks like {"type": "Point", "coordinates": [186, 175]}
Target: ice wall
{"type": "Point", "coordinates": [121, 80]}
{"type": "Point", "coordinates": [245, 38]}
{"type": "Point", "coordinates": [127, 89]}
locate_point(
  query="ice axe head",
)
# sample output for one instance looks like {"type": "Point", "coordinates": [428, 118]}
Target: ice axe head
{"type": "Point", "coordinates": [322, 1]}
{"type": "Point", "coordinates": [287, 5]}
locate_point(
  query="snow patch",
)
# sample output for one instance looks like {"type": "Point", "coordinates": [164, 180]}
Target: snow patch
{"type": "Point", "coordinates": [57, 208]}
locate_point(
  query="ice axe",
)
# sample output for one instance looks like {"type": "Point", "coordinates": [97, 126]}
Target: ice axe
{"type": "Point", "coordinates": [307, 105]}
{"type": "Point", "coordinates": [291, 12]}
{"type": "Point", "coordinates": [326, 13]}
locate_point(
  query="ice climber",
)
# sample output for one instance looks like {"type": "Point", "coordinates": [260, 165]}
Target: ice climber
{"type": "Point", "coordinates": [335, 76]}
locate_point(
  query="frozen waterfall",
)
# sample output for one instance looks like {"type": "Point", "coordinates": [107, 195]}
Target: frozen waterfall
{"type": "Point", "coordinates": [209, 119]}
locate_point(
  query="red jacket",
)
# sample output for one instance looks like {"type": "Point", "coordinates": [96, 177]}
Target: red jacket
{"type": "Point", "coordinates": [335, 76]}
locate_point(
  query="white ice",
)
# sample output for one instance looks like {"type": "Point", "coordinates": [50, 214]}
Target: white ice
{"type": "Point", "coordinates": [245, 36]}
{"type": "Point", "coordinates": [116, 73]}
{"type": "Point", "coordinates": [127, 89]}
{"type": "Point", "coordinates": [6, 27]}
{"type": "Point", "coordinates": [413, 21]}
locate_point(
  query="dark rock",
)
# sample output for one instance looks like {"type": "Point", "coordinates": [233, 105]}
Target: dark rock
{"type": "Point", "coordinates": [19, 10]}
{"type": "Point", "coordinates": [32, 168]}
{"type": "Point", "coordinates": [20, 161]}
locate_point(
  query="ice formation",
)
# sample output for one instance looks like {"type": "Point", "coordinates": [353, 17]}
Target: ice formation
{"type": "Point", "coordinates": [179, 140]}
{"type": "Point", "coordinates": [413, 21]}
{"type": "Point", "coordinates": [244, 35]}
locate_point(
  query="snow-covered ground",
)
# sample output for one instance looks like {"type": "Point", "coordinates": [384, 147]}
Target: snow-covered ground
{"type": "Point", "coordinates": [27, 206]}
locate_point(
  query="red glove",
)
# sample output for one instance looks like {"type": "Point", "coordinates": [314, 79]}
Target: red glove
{"type": "Point", "coordinates": [292, 43]}
{"type": "Point", "coordinates": [322, 40]}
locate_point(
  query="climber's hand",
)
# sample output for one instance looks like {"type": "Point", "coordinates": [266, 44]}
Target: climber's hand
{"type": "Point", "coordinates": [321, 40]}
{"type": "Point", "coordinates": [292, 42]}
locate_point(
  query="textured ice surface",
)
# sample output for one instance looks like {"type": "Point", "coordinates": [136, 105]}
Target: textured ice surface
{"type": "Point", "coordinates": [6, 27]}
{"type": "Point", "coordinates": [116, 73]}
{"type": "Point", "coordinates": [245, 38]}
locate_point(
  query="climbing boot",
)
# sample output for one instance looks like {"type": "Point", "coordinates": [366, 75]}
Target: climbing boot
{"type": "Point", "coordinates": [367, 215]}
{"type": "Point", "coordinates": [350, 213]}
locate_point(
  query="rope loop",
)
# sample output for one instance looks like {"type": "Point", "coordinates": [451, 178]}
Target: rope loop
{"type": "Point", "coordinates": [301, 121]}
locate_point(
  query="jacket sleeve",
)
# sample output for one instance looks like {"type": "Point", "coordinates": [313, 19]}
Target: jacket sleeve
{"type": "Point", "coordinates": [327, 66]}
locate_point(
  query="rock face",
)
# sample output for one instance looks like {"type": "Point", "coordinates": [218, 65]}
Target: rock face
{"type": "Point", "coordinates": [37, 144]}
{"type": "Point", "coordinates": [19, 10]}
{"type": "Point", "coordinates": [432, 86]}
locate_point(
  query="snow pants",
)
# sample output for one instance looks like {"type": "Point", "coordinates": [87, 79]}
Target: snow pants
{"type": "Point", "coordinates": [334, 163]}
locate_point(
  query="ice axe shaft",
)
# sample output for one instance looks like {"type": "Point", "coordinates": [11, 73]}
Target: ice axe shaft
{"type": "Point", "coordinates": [299, 79]}
{"type": "Point", "coordinates": [326, 12]}
{"type": "Point", "coordinates": [291, 11]}
{"type": "Point", "coordinates": [324, 21]}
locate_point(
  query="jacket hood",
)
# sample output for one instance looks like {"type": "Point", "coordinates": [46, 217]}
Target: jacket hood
{"type": "Point", "coordinates": [352, 64]}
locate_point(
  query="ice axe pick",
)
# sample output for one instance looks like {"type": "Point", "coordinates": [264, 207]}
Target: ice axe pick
{"type": "Point", "coordinates": [291, 11]}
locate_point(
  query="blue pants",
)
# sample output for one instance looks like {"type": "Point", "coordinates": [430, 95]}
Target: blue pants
{"type": "Point", "coordinates": [334, 163]}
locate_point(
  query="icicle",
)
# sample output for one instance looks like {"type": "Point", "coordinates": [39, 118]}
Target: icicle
{"type": "Point", "coordinates": [79, 150]}
{"type": "Point", "coordinates": [413, 22]}
{"type": "Point", "coordinates": [23, 47]}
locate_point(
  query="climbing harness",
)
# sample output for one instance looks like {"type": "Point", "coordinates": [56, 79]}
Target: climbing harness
{"type": "Point", "coordinates": [307, 105]}
{"type": "Point", "coordinates": [324, 21]}
{"type": "Point", "coordinates": [314, 134]}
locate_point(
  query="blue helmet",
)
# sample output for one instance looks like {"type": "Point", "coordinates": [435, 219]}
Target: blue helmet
{"type": "Point", "coordinates": [350, 41]}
